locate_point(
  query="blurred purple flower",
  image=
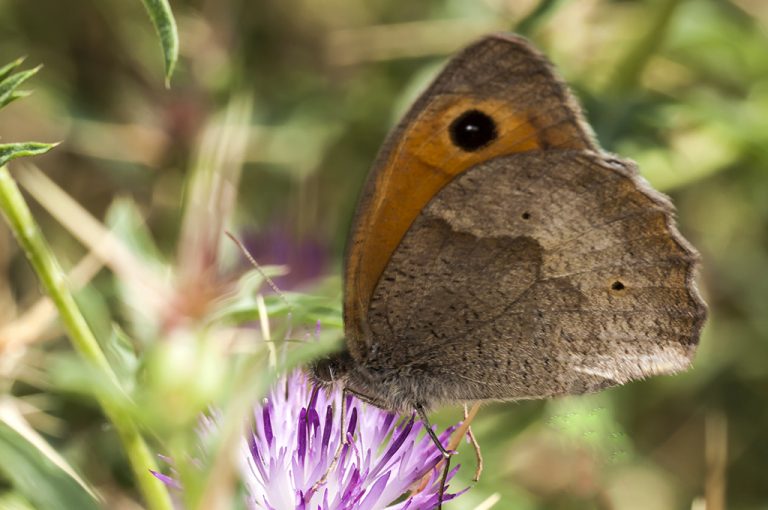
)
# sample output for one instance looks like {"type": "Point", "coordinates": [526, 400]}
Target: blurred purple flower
{"type": "Point", "coordinates": [296, 435]}
{"type": "Point", "coordinates": [306, 256]}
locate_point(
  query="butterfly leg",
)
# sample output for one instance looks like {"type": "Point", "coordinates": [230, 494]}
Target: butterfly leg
{"type": "Point", "coordinates": [469, 415]}
{"type": "Point", "coordinates": [342, 441]}
{"type": "Point", "coordinates": [446, 454]}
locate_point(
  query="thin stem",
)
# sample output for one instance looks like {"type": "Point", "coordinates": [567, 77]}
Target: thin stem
{"type": "Point", "coordinates": [48, 270]}
{"type": "Point", "coordinates": [543, 10]}
{"type": "Point", "coordinates": [628, 72]}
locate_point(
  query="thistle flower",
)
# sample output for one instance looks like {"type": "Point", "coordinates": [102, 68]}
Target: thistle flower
{"type": "Point", "coordinates": [294, 439]}
{"type": "Point", "coordinates": [287, 458]}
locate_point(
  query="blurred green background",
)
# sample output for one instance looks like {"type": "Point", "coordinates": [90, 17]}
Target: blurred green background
{"type": "Point", "coordinates": [681, 86]}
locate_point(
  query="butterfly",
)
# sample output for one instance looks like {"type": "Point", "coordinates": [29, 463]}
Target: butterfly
{"type": "Point", "coordinates": [498, 253]}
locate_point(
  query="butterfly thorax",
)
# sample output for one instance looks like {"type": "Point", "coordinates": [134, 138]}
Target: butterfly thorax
{"type": "Point", "coordinates": [386, 388]}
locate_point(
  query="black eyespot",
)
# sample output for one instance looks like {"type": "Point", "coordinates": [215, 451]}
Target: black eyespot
{"type": "Point", "coordinates": [526, 215]}
{"type": "Point", "coordinates": [472, 130]}
{"type": "Point", "coordinates": [617, 285]}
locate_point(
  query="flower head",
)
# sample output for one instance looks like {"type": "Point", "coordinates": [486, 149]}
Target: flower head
{"type": "Point", "coordinates": [296, 434]}
{"type": "Point", "coordinates": [291, 457]}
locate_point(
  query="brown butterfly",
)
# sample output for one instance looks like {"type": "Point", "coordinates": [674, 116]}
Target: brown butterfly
{"type": "Point", "coordinates": [498, 253]}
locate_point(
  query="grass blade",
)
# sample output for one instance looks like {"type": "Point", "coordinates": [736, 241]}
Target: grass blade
{"type": "Point", "coordinates": [11, 417]}
{"type": "Point", "coordinates": [43, 482]}
{"type": "Point", "coordinates": [162, 18]}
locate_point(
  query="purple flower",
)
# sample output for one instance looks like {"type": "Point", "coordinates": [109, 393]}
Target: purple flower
{"type": "Point", "coordinates": [287, 459]}
{"type": "Point", "coordinates": [295, 437]}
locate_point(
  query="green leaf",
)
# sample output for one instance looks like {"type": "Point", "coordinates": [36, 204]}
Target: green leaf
{"type": "Point", "coordinates": [128, 223]}
{"type": "Point", "coordinates": [9, 151]}
{"type": "Point", "coordinates": [7, 69]}
{"type": "Point", "coordinates": [241, 306]}
{"type": "Point", "coordinates": [123, 357]}
{"type": "Point", "coordinates": [34, 475]}
{"type": "Point", "coordinates": [70, 374]}
{"type": "Point", "coordinates": [19, 94]}
{"type": "Point", "coordinates": [9, 85]}
{"type": "Point", "coordinates": [14, 501]}
{"type": "Point", "coordinates": [9, 82]}
{"type": "Point", "coordinates": [162, 18]}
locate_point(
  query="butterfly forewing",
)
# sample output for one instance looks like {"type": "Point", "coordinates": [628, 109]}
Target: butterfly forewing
{"type": "Point", "coordinates": [538, 274]}
{"type": "Point", "coordinates": [501, 79]}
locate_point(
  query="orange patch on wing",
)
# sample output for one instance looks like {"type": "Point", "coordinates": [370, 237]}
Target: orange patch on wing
{"type": "Point", "coordinates": [422, 163]}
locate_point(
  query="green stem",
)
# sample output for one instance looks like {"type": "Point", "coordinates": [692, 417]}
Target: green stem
{"type": "Point", "coordinates": [537, 16]}
{"type": "Point", "coordinates": [628, 72]}
{"type": "Point", "coordinates": [24, 227]}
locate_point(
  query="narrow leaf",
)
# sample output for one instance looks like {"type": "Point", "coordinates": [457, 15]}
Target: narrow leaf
{"type": "Point", "coordinates": [14, 501]}
{"type": "Point", "coordinates": [11, 151]}
{"type": "Point", "coordinates": [19, 94]}
{"type": "Point", "coordinates": [162, 18]}
{"type": "Point", "coordinates": [36, 476]}
{"type": "Point", "coordinates": [128, 223]}
{"type": "Point", "coordinates": [121, 353]}
{"type": "Point", "coordinates": [8, 85]}
{"type": "Point", "coordinates": [7, 69]}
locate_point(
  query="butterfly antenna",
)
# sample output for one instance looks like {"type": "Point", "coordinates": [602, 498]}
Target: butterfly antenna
{"type": "Point", "coordinates": [258, 268]}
